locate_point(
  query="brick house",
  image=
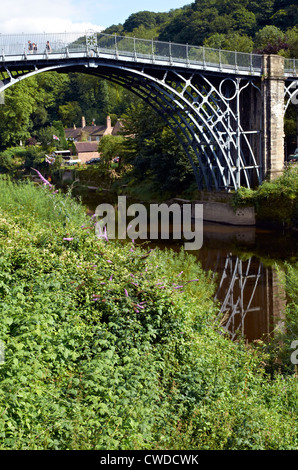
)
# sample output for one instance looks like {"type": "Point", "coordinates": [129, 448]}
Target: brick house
{"type": "Point", "coordinates": [86, 138]}
{"type": "Point", "coordinates": [86, 150]}
{"type": "Point", "coordinates": [91, 133]}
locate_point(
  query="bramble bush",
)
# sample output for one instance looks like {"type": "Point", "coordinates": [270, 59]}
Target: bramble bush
{"type": "Point", "coordinates": [109, 345]}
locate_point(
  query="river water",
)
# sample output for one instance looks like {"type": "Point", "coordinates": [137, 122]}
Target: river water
{"type": "Point", "coordinates": [247, 264]}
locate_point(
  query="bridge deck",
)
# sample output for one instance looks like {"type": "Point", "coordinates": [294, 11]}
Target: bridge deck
{"type": "Point", "coordinates": [14, 49]}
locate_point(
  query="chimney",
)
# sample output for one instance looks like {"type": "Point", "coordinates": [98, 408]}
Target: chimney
{"type": "Point", "coordinates": [109, 125]}
{"type": "Point", "coordinates": [83, 122]}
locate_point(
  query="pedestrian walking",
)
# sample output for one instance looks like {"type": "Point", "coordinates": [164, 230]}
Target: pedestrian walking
{"type": "Point", "coordinates": [30, 47]}
{"type": "Point", "coordinates": [34, 47]}
{"type": "Point", "coordinates": [48, 47]}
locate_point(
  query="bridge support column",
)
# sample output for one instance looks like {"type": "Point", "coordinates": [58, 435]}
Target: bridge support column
{"type": "Point", "coordinates": [273, 86]}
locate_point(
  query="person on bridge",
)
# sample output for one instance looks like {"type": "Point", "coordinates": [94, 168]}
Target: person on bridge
{"type": "Point", "coordinates": [34, 46]}
{"type": "Point", "coordinates": [48, 47]}
{"type": "Point", "coordinates": [30, 47]}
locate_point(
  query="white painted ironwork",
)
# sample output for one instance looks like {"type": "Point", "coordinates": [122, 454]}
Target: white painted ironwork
{"type": "Point", "coordinates": [17, 46]}
{"type": "Point", "coordinates": [291, 93]}
{"type": "Point", "coordinates": [197, 90]}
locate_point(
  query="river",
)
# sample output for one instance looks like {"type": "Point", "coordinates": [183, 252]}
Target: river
{"type": "Point", "coordinates": [247, 265]}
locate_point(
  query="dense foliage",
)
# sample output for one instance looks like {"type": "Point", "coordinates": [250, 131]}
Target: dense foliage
{"type": "Point", "coordinates": [276, 201]}
{"type": "Point", "coordinates": [155, 153]}
{"type": "Point", "coordinates": [105, 350]}
{"type": "Point", "coordinates": [285, 338]}
{"type": "Point", "coordinates": [33, 106]}
{"type": "Point", "coordinates": [231, 24]}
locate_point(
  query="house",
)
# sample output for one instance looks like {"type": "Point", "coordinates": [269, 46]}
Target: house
{"type": "Point", "coordinates": [86, 138]}
{"type": "Point", "coordinates": [86, 150]}
{"type": "Point", "coordinates": [91, 133]}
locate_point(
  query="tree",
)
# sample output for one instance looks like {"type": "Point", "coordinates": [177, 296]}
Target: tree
{"type": "Point", "coordinates": [147, 19]}
{"type": "Point", "coordinates": [53, 87]}
{"type": "Point", "coordinates": [230, 42]}
{"type": "Point", "coordinates": [172, 31]}
{"type": "Point", "coordinates": [110, 147]}
{"type": "Point", "coordinates": [114, 29]}
{"type": "Point", "coordinates": [263, 11]}
{"type": "Point", "coordinates": [245, 21]}
{"type": "Point", "coordinates": [154, 150]}
{"type": "Point", "coordinates": [291, 38]}
{"type": "Point", "coordinates": [70, 113]}
{"type": "Point", "coordinates": [59, 132]}
{"type": "Point", "coordinates": [15, 114]}
{"type": "Point", "coordinates": [285, 17]}
{"type": "Point", "coordinates": [270, 40]}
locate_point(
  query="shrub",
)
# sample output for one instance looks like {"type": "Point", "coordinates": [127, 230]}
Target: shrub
{"type": "Point", "coordinates": [276, 201]}
{"type": "Point", "coordinates": [105, 350]}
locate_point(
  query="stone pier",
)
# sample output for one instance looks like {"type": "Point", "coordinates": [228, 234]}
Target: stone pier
{"type": "Point", "coordinates": [273, 86]}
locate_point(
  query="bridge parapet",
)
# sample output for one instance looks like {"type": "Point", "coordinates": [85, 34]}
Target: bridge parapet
{"type": "Point", "coordinates": [99, 44]}
{"type": "Point", "coordinates": [291, 67]}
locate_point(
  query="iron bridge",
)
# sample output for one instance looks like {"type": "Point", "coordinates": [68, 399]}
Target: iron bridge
{"type": "Point", "coordinates": [211, 99]}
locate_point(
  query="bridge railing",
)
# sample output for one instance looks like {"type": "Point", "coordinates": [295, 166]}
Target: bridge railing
{"type": "Point", "coordinates": [185, 54]}
{"type": "Point", "coordinates": [18, 44]}
{"type": "Point", "coordinates": [291, 66]}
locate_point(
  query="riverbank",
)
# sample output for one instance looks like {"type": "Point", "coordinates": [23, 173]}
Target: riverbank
{"type": "Point", "coordinates": [272, 205]}
{"type": "Point", "coordinates": [110, 346]}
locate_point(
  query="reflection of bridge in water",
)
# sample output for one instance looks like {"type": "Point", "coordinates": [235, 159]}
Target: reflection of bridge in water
{"type": "Point", "coordinates": [251, 295]}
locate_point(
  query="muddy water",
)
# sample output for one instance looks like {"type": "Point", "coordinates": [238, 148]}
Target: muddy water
{"type": "Point", "coordinates": [243, 262]}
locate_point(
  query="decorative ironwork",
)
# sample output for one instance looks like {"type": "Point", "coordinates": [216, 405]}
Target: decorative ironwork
{"type": "Point", "coordinates": [201, 93]}
{"type": "Point", "coordinates": [291, 93]}
{"type": "Point", "coordinates": [206, 117]}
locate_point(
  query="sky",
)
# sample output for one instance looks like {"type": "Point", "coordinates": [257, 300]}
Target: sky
{"type": "Point", "coordinates": [56, 16]}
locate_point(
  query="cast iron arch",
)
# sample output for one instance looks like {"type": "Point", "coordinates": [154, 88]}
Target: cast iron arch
{"type": "Point", "coordinates": [205, 119]}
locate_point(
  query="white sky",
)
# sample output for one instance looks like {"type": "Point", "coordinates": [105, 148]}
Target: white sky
{"type": "Point", "coordinates": [38, 16]}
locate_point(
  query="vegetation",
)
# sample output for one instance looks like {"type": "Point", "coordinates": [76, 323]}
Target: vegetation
{"type": "Point", "coordinates": [155, 154]}
{"type": "Point", "coordinates": [39, 103]}
{"type": "Point", "coordinates": [110, 148]}
{"type": "Point", "coordinates": [276, 201]}
{"type": "Point", "coordinates": [236, 25]}
{"type": "Point", "coordinates": [286, 334]}
{"type": "Point", "coordinates": [104, 350]}
{"type": "Point", "coordinates": [110, 345]}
